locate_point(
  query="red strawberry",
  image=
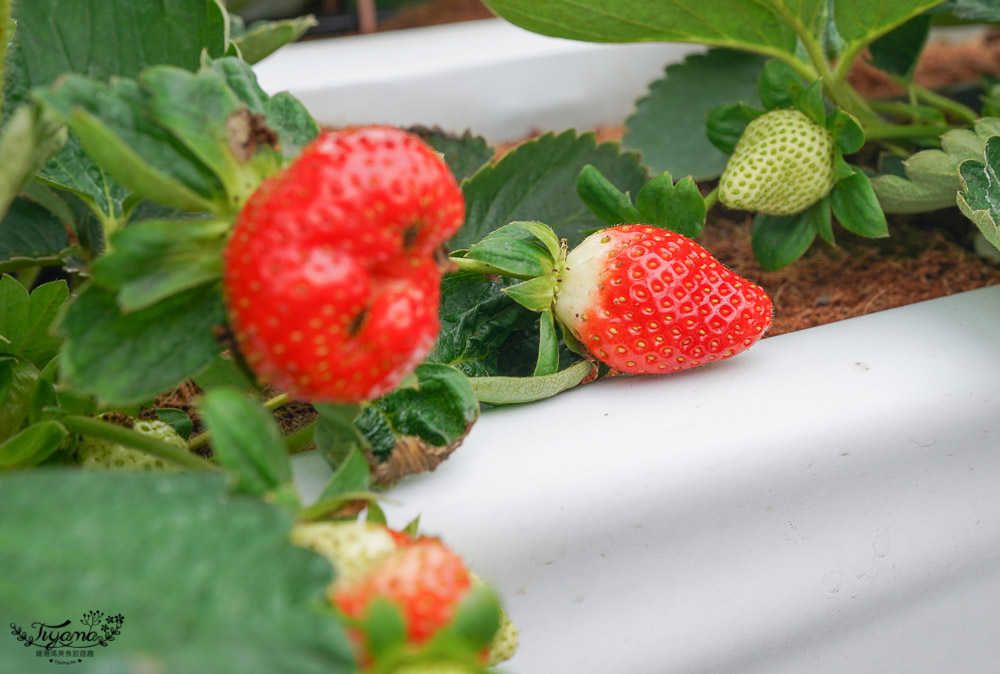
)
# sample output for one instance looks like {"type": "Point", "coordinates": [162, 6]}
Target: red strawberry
{"type": "Point", "coordinates": [426, 581]}
{"type": "Point", "coordinates": [330, 274]}
{"type": "Point", "coordinates": [645, 301]}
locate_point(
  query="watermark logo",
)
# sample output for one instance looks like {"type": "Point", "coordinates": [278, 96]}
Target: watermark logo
{"type": "Point", "coordinates": [63, 644]}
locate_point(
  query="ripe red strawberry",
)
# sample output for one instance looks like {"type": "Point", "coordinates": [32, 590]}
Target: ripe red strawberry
{"type": "Point", "coordinates": [425, 580]}
{"type": "Point", "coordinates": [648, 301]}
{"type": "Point", "coordinates": [330, 274]}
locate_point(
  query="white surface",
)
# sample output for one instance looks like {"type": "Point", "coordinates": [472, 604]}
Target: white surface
{"type": "Point", "coordinates": [828, 501]}
{"type": "Point", "coordinates": [502, 81]}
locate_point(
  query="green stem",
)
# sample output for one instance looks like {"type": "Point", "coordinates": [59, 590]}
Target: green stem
{"type": "Point", "coordinates": [270, 405]}
{"type": "Point", "coordinates": [945, 104]}
{"type": "Point", "coordinates": [5, 36]}
{"type": "Point", "coordinates": [889, 131]}
{"type": "Point", "coordinates": [330, 505]}
{"type": "Point", "coordinates": [711, 198]}
{"type": "Point", "coordinates": [124, 436]}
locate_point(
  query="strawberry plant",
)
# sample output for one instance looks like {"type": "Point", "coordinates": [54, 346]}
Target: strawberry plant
{"type": "Point", "coordinates": [704, 119]}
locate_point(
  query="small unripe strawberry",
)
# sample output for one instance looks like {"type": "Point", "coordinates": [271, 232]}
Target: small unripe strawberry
{"type": "Point", "coordinates": [782, 164]}
{"type": "Point", "coordinates": [649, 301]}
{"type": "Point", "coordinates": [99, 454]}
{"type": "Point", "coordinates": [352, 547]}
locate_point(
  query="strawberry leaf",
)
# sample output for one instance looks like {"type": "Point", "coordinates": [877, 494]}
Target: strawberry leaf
{"type": "Point", "coordinates": [153, 260]}
{"type": "Point", "coordinates": [464, 154]}
{"type": "Point", "coordinates": [32, 445]}
{"type": "Point", "coordinates": [777, 240]}
{"type": "Point", "coordinates": [810, 101]}
{"type": "Point", "coordinates": [897, 51]}
{"type": "Point", "coordinates": [477, 618]}
{"type": "Point", "coordinates": [847, 132]}
{"type": "Point", "coordinates": [384, 628]}
{"type": "Point", "coordinates": [26, 320]}
{"type": "Point", "coordinates": [862, 21]}
{"type": "Point", "coordinates": [779, 86]}
{"type": "Point", "coordinates": [726, 124]}
{"type": "Point", "coordinates": [159, 551]}
{"type": "Point", "coordinates": [28, 139]}
{"type": "Point", "coordinates": [979, 199]}
{"type": "Point", "coordinates": [515, 251]}
{"type": "Point", "coordinates": [177, 420]}
{"type": "Point", "coordinates": [856, 208]}
{"type": "Point", "coordinates": [548, 346]}
{"type": "Point", "coordinates": [248, 444]}
{"type": "Point", "coordinates": [537, 182]}
{"type": "Point", "coordinates": [414, 430]}
{"type": "Point", "coordinates": [263, 38]}
{"type": "Point", "coordinates": [932, 177]}
{"type": "Point", "coordinates": [352, 474]}
{"type": "Point", "coordinates": [668, 126]}
{"type": "Point", "coordinates": [130, 357]}
{"type": "Point", "coordinates": [17, 381]}
{"type": "Point", "coordinates": [604, 199]}
{"type": "Point", "coordinates": [679, 208]}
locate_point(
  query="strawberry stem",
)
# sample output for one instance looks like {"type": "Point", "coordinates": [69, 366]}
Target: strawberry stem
{"type": "Point", "coordinates": [144, 443]}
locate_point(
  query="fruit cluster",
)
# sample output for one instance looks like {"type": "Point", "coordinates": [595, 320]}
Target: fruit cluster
{"type": "Point", "coordinates": [331, 273]}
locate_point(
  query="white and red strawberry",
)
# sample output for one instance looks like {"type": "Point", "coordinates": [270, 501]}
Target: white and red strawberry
{"type": "Point", "coordinates": [330, 274]}
{"type": "Point", "coordinates": [648, 301]}
{"type": "Point", "coordinates": [783, 163]}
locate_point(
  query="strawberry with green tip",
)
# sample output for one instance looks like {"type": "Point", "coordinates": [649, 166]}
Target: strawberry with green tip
{"type": "Point", "coordinates": [648, 301]}
{"type": "Point", "coordinates": [330, 274]}
{"type": "Point", "coordinates": [782, 164]}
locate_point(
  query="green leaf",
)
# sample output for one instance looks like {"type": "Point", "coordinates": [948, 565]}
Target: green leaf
{"type": "Point", "coordinates": [17, 382]}
{"type": "Point", "coordinates": [778, 240]}
{"type": "Point", "coordinates": [537, 182]}
{"type": "Point", "coordinates": [353, 474]}
{"type": "Point", "coordinates": [897, 51]}
{"type": "Point", "coordinates": [336, 435]}
{"type": "Point", "coordinates": [536, 294]}
{"type": "Point", "coordinates": [223, 371]}
{"type": "Point", "coordinates": [726, 124]}
{"type": "Point", "coordinates": [177, 420]}
{"type": "Point", "coordinates": [431, 419]}
{"type": "Point", "coordinates": [220, 131]}
{"type": "Point", "coordinates": [979, 199]}
{"type": "Point", "coordinates": [668, 127]}
{"type": "Point", "coordinates": [26, 320]}
{"type": "Point", "coordinates": [114, 126]}
{"type": "Point", "coordinates": [159, 551]}
{"type": "Point", "coordinates": [464, 154]}
{"type": "Point", "coordinates": [548, 345]}
{"type": "Point", "coordinates": [856, 207]}
{"type": "Point", "coordinates": [862, 21]}
{"type": "Point", "coordinates": [384, 627]}
{"type": "Point", "coordinates": [72, 170]}
{"type": "Point", "coordinates": [604, 199]}
{"type": "Point", "coordinates": [153, 260]}
{"type": "Point", "coordinates": [725, 23]}
{"type": "Point", "coordinates": [810, 101]}
{"type": "Point", "coordinates": [932, 178]}
{"type": "Point", "coordinates": [31, 235]}
{"type": "Point", "coordinates": [247, 442]}
{"type": "Point", "coordinates": [478, 320]}
{"type": "Point", "coordinates": [26, 449]}
{"type": "Point", "coordinates": [679, 208]}
{"type": "Point", "coordinates": [513, 250]}
{"type": "Point", "coordinates": [263, 38]}
{"type": "Point", "coordinates": [292, 122]}
{"type": "Point", "coordinates": [511, 390]}
{"type": "Point", "coordinates": [822, 219]}
{"type": "Point", "coordinates": [847, 132]}
{"type": "Point", "coordinates": [779, 86]}
{"type": "Point", "coordinates": [28, 139]}
{"type": "Point", "coordinates": [130, 357]}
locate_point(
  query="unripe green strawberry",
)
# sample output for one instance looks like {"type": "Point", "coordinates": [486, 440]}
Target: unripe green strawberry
{"type": "Point", "coordinates": [330, 274]}
{"type": "Point", "coordinates": [504, 643]}
{"type": "Point", "coordinates": [782, 164]}
{"type": "Point", "coordinates": [649, 301]}
{"type": "Point", "coordinates": [99, 454]}
{"type": "Point", "coordinates": [352, 547]}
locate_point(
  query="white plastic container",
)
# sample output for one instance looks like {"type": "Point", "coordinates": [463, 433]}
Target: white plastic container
{"type": "Point", "coordinates": [828, 501]}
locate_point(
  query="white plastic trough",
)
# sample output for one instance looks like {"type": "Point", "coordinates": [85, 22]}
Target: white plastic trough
{"type": "Point", "coordinates": [828, 501]}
